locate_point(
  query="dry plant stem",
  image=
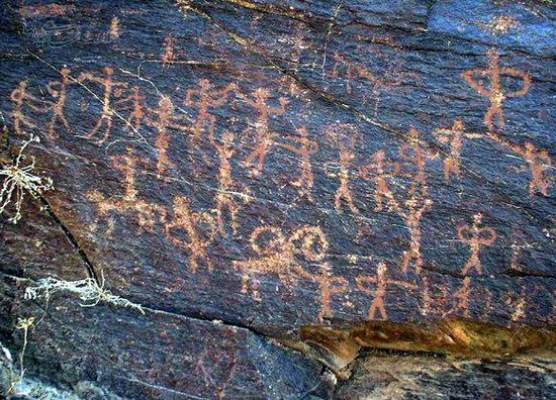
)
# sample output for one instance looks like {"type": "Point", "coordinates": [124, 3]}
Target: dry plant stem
{"type": "Point", "coordinates": [22, 324]}
{"type": "Point", "coordinates": [20, 179]}
{"type": "Point", "coordinates": [88, 290]}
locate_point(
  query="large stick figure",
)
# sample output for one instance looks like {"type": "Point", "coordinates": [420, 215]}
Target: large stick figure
{"type": "Point", "coordinates": [494, 116]}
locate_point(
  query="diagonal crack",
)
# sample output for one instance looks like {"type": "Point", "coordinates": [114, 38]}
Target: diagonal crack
{"type": "Point", "coordinates": [91, 272]}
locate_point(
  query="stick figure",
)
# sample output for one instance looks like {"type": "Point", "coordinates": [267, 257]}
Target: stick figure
{"type": "Point", "coordinates": [168, 54]}
{"type": "Point", "coordinates": [137, 101]}
{"type": "Point", "coordinates": [307, 147]}
{"type": "Point", "coordinates": [454, 138]}
{"type": "Point", "coordinates": [217, 366]}
{"type": "Point", "coordinates": [350, 72]}
{"type": "Point", "coordinates": [57, 90]}
{"type": "Point", "coordinates": [111, 88]}
{"type": "Point", "coordinates": [539, 162]}
{"type": "Point", "coordinates": [416, 157]}
{"type": "Point", "coordinates": [206, 97]}
{"type": "Point", "coordinates": [413, 216]}
{"type": "Point", "coordinates": [381, 282]}
{"type": "Point", "coordinates": [381, 170]}
{"type": "Point", "coordinates": [21, 97]}
{"type": "Point", "coordinates": [190, 222]}
{"type": "Point", "coordinates": [163, 119]}
{"type": "Point", "coordinates": [147, 214]}
{"type": "Point", "coordinates": [344, 137]}
{"type": "Point", "coordinates": [388, 78]}
{"type": "Point", "coordinates": [126, 165]}
{"type": "Point", "coordinates": [475, 237]}
{"type": "Point", "coordinates": [329, 286]}
{"type": "Point", "coordinates": [225, 200]}
{"type": "Point", "coordinates": [264, 137]}
{"type": "Point", "coordinates": [462, 298]}
{"type": "Point", "coordinates": [495, 94]}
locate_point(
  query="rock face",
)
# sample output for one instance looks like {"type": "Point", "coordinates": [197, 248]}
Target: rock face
{"type": "Point", "coordinates": [321, 175]}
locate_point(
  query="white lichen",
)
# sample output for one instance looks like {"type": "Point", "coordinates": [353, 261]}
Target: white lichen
{"type": "Point", "coordinates": [88, 290]}
{"type": "Point", "coordinates": [20, 179]}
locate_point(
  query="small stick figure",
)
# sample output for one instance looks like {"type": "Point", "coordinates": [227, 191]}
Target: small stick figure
{"type": "Point", "coordinates": [494, 116]}
{"type": "Point", "coordinates": [539, 162]}
{"type": "Point", "coordinates": [163, 119]}
{"type": "Point", "coordinates": [329, 285]}
{"type": "Point", "coordinates": [307, 147]}
{"type": "Point", "coordinates": [475, 237]}
{"type": "Point", "coordinates": [264, 136]}
{"type": "Point", "coordinates": [111, 88]}
{"type": "Point", "coordinates": [454, 138]}
{"type": "Point", "coordinates": [21, 97]}
{"type": "Point", "coordinates": [462, 298]}
{"type": "Point", "coordinates": [349, 71]}
{"type": "Point", "coordinates": [381, 282]}
{"type": "Point", "coordinates": [168, 55]}
{"type": "Point", "coordinates": [416, 156]}
{"type": "Point", "coordinates": [57, 89]}
{"type": "Point", "coordinates": [218, 370]}
{"type": "Point", "coordinates": [206, 97]}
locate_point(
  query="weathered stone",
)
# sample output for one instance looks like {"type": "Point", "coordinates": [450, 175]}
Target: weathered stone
{"type": "Point", "coordinates": [402, 376]}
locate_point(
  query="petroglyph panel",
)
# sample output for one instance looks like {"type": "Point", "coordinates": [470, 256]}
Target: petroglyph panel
{"type": "Point", "coordinates": [206, 161]}
{"type": "Point", "coordinates": [260, 166]}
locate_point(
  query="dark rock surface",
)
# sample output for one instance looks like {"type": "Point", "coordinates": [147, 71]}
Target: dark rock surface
{"type": "Point", "coordinates": [276, 165]}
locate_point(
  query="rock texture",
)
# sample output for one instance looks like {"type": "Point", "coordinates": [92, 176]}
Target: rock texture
{"type": "Point", "coordinates": [278, 184]}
